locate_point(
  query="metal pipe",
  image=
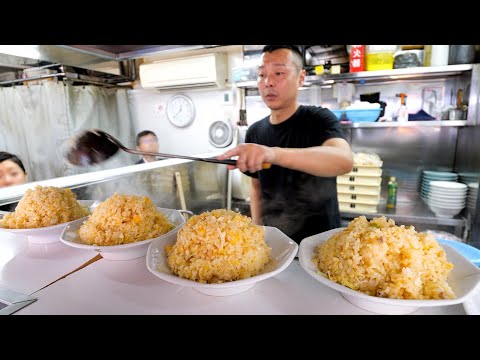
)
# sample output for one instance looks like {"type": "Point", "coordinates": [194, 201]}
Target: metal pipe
{"type": "Point", "coordinates": [31, 78]}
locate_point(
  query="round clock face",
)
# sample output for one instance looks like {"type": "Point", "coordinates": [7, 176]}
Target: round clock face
{"type": "Point", "coordinates": [180, 110]}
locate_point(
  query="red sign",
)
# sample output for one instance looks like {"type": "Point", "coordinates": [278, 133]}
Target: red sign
{"type": "Point", "coordinates": [357, 58]}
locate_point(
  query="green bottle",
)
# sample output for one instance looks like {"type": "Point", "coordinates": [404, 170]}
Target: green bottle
{"type": "Point", "coordinates": [392, 193]}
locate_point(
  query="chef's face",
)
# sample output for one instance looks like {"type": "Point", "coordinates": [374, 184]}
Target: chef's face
{"type": "Point", "coordinates": [279, 77]}
{"type": "Point", "coordinates": [11, 174]}
{"type": "Point", "coordinates": [148, 143]}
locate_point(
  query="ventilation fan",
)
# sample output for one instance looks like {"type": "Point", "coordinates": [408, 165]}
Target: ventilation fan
{"type": "Point", "coordinates": [220, 134]}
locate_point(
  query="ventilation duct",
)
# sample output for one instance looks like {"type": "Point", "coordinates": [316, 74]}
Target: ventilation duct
{"type": "Point", "coordinates": [220, 134]}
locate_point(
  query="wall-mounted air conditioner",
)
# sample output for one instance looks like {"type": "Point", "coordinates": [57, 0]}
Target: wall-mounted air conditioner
{"type": "Point", "coordinates": [207, 71]}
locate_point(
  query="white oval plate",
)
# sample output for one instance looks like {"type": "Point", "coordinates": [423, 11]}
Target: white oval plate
{"type": "Point", "coordinates": [472, 305]}
{"type": "Point", "coordinates": [129, 251]}
{"type": "Point", "coordinates": [283, 252]}
{"type": "Point", "coordinates": [464, 280]}
{"type": "Point", "coordinates": [49, 234]}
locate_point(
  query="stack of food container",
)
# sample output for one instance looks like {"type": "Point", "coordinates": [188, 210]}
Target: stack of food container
{"type": "Point", "coordinates": [359, 190]}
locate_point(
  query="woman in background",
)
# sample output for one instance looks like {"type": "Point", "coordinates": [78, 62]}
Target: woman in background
{"type": "Point", "coordinates": [12, 172]}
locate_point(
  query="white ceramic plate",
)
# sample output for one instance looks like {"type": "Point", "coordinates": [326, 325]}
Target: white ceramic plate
{"type": "Point", "coordinates": [129, 251]}
{"type": "Point", "coordinates": [49, 234]}
{"type": "Point", "coordinates": [283, 251]}
{"type": "Point", "coordinates": [472, 305]}
{"type": "Point", "coordinates": [464, 280]}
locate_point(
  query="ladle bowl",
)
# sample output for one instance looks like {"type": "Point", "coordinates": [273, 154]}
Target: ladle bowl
{"type": "Point", "coordinates": [94, 146]}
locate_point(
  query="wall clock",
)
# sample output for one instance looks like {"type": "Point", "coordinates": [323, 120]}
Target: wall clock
{"type": "Point", "coordinates": [180, 110]}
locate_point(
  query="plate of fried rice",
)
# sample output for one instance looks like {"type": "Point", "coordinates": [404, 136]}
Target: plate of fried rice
{"type": "Point", "coordinates": [122, 227]}
{"type": "Point", "coordinates": [220, 253]}
{"type": "Point", "coordinates": [388, 269]}
{"type": "Point", "coordinates": [43, 212]}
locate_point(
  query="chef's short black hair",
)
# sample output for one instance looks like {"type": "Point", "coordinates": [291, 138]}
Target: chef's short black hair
{"type": "Point", "coordinates": [296, 49]}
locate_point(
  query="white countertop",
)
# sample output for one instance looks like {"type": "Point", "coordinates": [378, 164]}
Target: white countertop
{"type": "Point", "coordinates": [127, 287]}
{"type": "Point", "coordinates": [27, 267]}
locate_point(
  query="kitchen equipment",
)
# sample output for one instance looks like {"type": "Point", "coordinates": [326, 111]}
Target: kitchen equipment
{"type": "Point", "coordinates": [459, 112]}
{"type": "Point", "coordinates": [220, 134]}
{"type": "Point", "coordinates": [456, 114]}
{"type": "Point", "coordinates": [407, 58]}
{"type": "Point", "coordinates": [363, 115]}
{"type": "Point", "coordinates": [461, 54]}
{"type": "Point", "coordinates": [94, 146]}
{"type": "Point", "coordinates": [436, 55]}
{"type": "Point", "coordinates": [374, 98]}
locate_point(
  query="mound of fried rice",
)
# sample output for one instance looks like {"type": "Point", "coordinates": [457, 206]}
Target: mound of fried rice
{"type": "Point", "coordinates": [123, 219]}
{"type": "Point", "coordinates": [44, 206]}
{"type": "Point", "coordinates": [382, 259]}
{"type": "Point", "coordinates": [218, 246]}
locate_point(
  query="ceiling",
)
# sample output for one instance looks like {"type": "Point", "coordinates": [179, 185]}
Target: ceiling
{"type": "Point", "coordinates": [128, 52]}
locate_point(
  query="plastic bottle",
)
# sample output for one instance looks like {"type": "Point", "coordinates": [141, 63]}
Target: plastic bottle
{"type": "Point", "coordinates": [439, 55]}
{"type": "Point", "coordinates": [402, 110]}
{"type": "Point", "coordinates": [392, 193]}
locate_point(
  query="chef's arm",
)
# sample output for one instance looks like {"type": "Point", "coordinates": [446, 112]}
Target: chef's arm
{"type": "Point", "coordinates": [333, 158]}
{"type": "Point", "coordinates": [256, 202]}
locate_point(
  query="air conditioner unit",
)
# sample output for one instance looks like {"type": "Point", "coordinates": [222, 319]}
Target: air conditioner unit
{"type": "Point", "coordinates": [207, 71]}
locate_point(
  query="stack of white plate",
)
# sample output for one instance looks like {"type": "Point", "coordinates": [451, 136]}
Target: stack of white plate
{"type": "Point", "coordinates": [468, 178]}
{"type": "Point", "coordinates": [447, 198]}
{"type": "Point", "coordinates": [472, 197]}
{"type": "Point", "coordinates": [429, 176]}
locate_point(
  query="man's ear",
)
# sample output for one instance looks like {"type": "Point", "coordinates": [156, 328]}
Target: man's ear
{"type": "Point", "coordinates": [303, 73]}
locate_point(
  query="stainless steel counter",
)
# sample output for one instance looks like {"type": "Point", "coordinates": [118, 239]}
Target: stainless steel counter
{"type": "Point", "coordinates": [415, 212]}
{"type": "Point", "coordinates": [406, 213]}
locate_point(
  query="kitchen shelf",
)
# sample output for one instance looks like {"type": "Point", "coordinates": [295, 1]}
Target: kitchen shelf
{"type": "Point", "coordinates": [381, 75]}
{"type": "Point", "coordinates": [390, 75]}
{"type": "Point", "coordinates": [410, 212]}
{"type": "Point", "coordinates": [433, 123]}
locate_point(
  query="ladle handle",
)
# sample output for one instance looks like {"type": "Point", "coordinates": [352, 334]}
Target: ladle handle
{"type": "Point", "coordinates": [234, 163]}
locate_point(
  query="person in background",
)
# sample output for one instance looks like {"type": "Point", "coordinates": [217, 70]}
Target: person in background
{"type": "Point", "coordinates": [147, 141]}
{"type": "Point", "coordinates": [12, 172]}
{"type": "Point", "coordinates": [304, 144]}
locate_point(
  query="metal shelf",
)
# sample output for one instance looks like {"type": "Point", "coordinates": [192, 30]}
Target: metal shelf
{"type": "Point", "coordinates": [390, 75]}
{"type": "Point", "coordinates": [381, 75]}
{"type": "Point", "coordinates": [383, 124]}
{"type": "Point", "coordinates": [412, 212]}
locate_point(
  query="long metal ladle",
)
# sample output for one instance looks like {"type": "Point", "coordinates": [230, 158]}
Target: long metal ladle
{"type": "Point", "coordinates": [94, 146]}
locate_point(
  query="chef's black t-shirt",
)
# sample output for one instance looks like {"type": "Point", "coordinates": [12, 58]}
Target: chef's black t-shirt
{"type": "Point", "coordinates": [297, 203]}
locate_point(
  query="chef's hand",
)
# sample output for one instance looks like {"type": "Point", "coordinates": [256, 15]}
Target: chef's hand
{"type": "Point", "coordinates": [251, 157]}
